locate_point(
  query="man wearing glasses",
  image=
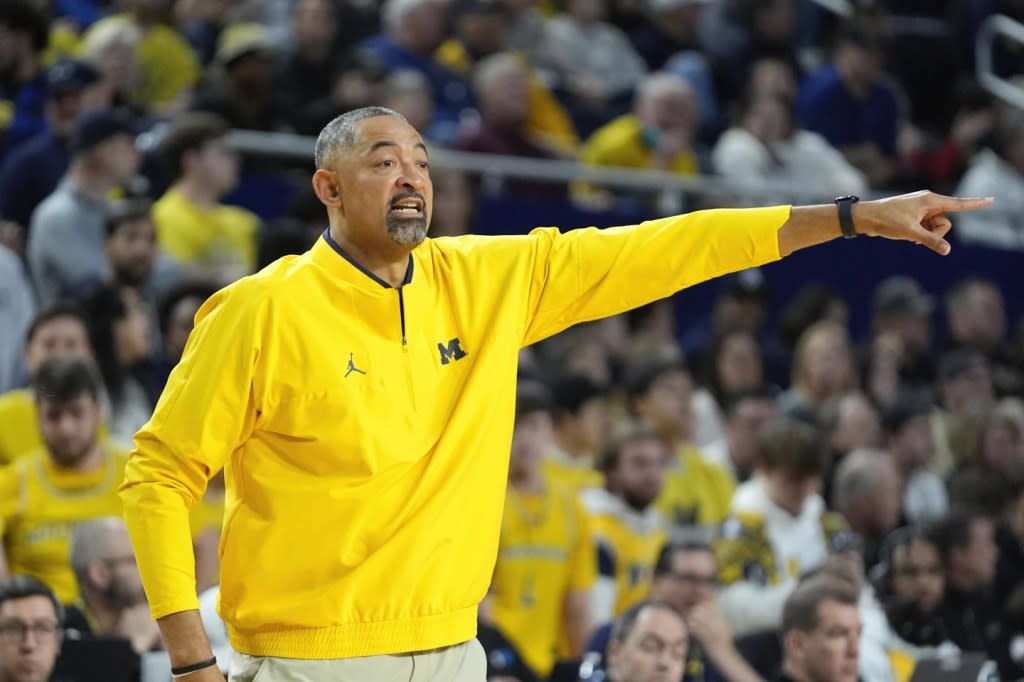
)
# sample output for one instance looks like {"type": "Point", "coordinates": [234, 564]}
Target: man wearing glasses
{"type": "Point", "coordinates": [685, 578]}
{"type": "Point", "coordinates": [31, 631]}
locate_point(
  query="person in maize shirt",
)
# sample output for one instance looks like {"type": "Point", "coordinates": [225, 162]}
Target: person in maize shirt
{"type": "Point", "coordinates": [360, 398]}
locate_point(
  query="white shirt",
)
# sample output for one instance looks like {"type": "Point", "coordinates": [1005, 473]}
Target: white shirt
{"type": "Point", "coordinates": [1001, 226]}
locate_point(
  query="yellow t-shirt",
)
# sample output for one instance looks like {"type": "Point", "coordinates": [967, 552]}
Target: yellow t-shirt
{"type": "Point", "coordinates": [621, 144]}
{"type": "Point", "coordinates": [627, 542]}
{"type": "Point", "coordinates": [167, 65]}
{"type": "Point", "coordinates": [544, 553]}
{"type": "Point", "coordinates": [222, 236]}
{"type": "Point", "coordinates": [578, 474]}
{"type": "Point", "coordinates": [696, 492]}
{"type": "Point", "coordinates": [39, 507]}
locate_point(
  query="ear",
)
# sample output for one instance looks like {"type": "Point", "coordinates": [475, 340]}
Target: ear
{"type": "Point", "coordinates": [327, 190]}
{"type": "Point", "coordinates": [794, 643]}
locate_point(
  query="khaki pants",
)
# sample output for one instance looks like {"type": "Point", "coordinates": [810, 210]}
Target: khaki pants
{"type": "Point", "coordinates": [460, 663]}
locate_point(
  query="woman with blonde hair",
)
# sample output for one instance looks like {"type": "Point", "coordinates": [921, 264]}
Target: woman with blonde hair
{"type": "Point", "coordinates": [823, 368]}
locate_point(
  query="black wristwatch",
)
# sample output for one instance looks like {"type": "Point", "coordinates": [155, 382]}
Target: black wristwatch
{"type": "Point", "coordinates": [845, 206]}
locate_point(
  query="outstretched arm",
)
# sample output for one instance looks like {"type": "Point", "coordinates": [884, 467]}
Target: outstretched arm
{"type": "Point", "coordinates": [919, 217]}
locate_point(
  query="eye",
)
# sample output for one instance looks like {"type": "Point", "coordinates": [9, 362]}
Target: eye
{"type": "Point", "coordinates": [387, 163]}
{"type": "Point", "coordinates": [425, 165]}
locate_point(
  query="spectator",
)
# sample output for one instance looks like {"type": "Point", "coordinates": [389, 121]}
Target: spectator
{"type": "Point", "coordinates": [696, 491]}
{"type": "Point", "coordinates": [210, 239]}
{"type": "Point", "coordinates": [22, 83]}
{"type": "Point", "coordinates": [357, 80]}
{"type": "Point", "coordinates": [628, 530]}
{"type": "Point", "coordinates": [408, 93]}
{"type": "Point", "coordinates": [31, 171]}
{"type": "Point", "coordinates": [850, 105]}
{"type": "Point", "coordinates": [65, 244]}
{"type": "Point", "coordinates": [131, 244]}
{"type": "Point", "coordinates": [823, 368]}
{"type": "Point", "coordinates": [779, 528]}
{"type": "Point", "coordinates": [110, 49]}
{"type": "Point", "coordinates": [413, 30]}
{"type": "Point", "coordinates": [848, 422]}
{"type": "Point", "coordinates": [976, 315]}
{"type": "Point", "coordinates": [909, 438]}
{"type": "Point", "coordinates": [540, 601]}
{"type": "Point", "coordinates": [74, 478]}
{"type": "Point", "coordinates": [245, 89]}
{"type": "Point", "coordinates": [673, 28]}
{"type": "Point", "coordinates": [582, 426]}
{"type": "Point", "coordinates": [821, 632]}
{"type": "Point", "coordinates": [176, 314]}
{"type": "Point", "coordinates": [901, 339]}
{"type": "Point", "coordinates": [867, 492]}
{"type": "Point", "coordinates": [167, 67]}
{"type": "Point", "coordinates": [201, 24]}
{"type": "Point", "coordinates": [110, 585]}
{"type": "Point", "coordinates": [17, 307]}
{"type": "Point", "coordinates": [31, 629]}
{"type": "Point", "coordinates": [746, 413]}
{"type": "Point", "coordinates": [767, 143]}
{"type": "Point", "coordinates": [998, 170]}
{"type": "Point", "coordinates": [309, 64]}
{"type": "Point", "coordinates": [595, 64]}
{"type": "Point", "coordinates": [966, 545]}
{"type": "Point", "coordinates": [733, 364]}
{"type": "Point", "coordinates": [813, 302]}
{"type": "Point", "coordinates": [58, 330]}
{"type": "Point", "coordinates": [119, 331]}
{"type": "Point", "coordinates": [501, 83]}
{"type": "Point", "coordinates": [649, 641]}
{"type": "Point", "coordinates": [455, 203]}
{"type": "Point", "coordinates": [966, 393]}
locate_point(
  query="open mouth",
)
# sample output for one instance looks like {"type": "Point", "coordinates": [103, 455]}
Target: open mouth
{"type": "Point", "coordinates": [409, 207]}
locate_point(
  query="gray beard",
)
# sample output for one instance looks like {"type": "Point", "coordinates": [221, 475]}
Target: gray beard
{"type": "Point", "coordinates": [406, 231]}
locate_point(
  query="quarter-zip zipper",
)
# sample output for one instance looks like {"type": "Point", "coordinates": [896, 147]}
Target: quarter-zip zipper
{"type": "Point", "coordinates": [401, 314]}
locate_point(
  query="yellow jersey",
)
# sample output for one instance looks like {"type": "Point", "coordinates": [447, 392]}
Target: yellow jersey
{"type": "Point", "coordinates": [697, 492]}
{"type": "Point", "coordinates": [40, 504]}
{"type": "Point", "coordinates": [621, 143]}
{"type": "Point", "coordinates": [19, 426]}
{"type": "Point", "coordinates": [544, 553]}
{"type": "Point", "coordinates": [627, 543]}
{"type": "Point", "coordinates": [576, 472]}
{"type": "Point", "coordinates": [221, 236]}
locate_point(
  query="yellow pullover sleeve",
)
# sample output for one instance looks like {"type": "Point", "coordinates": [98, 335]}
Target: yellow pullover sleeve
{"type": "Point", "coordinates": [587, 274]}
{"type": "Point", "coordinates": [205, 411]}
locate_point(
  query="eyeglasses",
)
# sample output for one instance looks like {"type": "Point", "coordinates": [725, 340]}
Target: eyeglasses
{"type": "Point", "coordinates": [695, 579]}
{"type": "Point", "coordinates": [16, 631]}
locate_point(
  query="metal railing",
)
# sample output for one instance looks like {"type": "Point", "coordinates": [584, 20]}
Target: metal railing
{"type": "Point", "coordinates": [984, 50]}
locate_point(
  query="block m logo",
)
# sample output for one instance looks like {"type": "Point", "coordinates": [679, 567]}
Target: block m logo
{"type": "Point", "coordinates": [450, 351]}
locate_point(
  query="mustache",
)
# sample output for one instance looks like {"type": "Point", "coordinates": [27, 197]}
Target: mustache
{"type": "Point", "coordinates": [408, 195]}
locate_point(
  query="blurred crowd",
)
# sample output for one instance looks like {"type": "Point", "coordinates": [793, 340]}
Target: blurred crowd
{"type": "Point", "coordinates": [698, 499]}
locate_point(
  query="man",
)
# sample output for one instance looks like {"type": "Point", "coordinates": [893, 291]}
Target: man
{"type": "Point", "coordinates": [976, 315]}
{"type": "Point", "coordinates": [65, 242]}
{"type": "Point", "coordinates": [627, 530]}
{"type": "Point", "coordinates": [60, 329]}
{"type": "Point", "coordinates": [540, 594]}
{"type": "Point", "coordinates": [130, 247]}
{"type": "Point", "coordinates": [31, 622]}
{"type": "Point", "coordinates": [821, 631]}
{"type": "Point", "coordinates": [901, 319]}
{"type": "Point", "coordinates": [582, 427]}
{"type": "Point", "coordinates": [108, 580]}
{"type": "Point", "coordinates": [73, 479]}
{"type": "Point", "coordinates": [908, 432]}
{"type": "Point", "coordinates": [648, 644]}
{"type": "Point", "coordinates": [745, 415]}
{"type": "Point", "coordinates": [193, 226]}
{"type": "Point", "coordinates": [966, 395]}
{"type": "Point", "coordinates": [779, 527]}
{"type": "Point", "coordinates": [23, 34]}
{"type": "Point", "coordinates": [367, 409]}
{"type": "Point", "coordinates": [685, 577]}
{"type": "Point", "coordinates": [867, 491]}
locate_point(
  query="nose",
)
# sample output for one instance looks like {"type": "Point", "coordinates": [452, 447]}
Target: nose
{"type": "Point", "coordinates": [412, 178]}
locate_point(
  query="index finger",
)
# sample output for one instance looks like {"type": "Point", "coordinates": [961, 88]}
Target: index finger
{"type": "Point", "coordinates": [962, 203]}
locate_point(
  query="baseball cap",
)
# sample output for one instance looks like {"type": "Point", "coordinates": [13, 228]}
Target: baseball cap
{"type": "Point", "coordinates": [240, 40]}
{"type": "Point", "coordinates": [70, 74]}
{"type": "Point", "coordinates": [95, 127]}
{"type": "Point", "coordinates": [901, 295]}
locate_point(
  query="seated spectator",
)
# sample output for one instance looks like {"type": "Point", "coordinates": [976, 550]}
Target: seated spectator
{"type": "Point", "coordinates": [356, 81]}
{"type": "Point", "coordinates": [131, 246]}
{"type": "Point", "coordinates": [628, 530]}
{"type": "Point", "coordinates": [734, 364]}
{"type": "Point", "coordinates": [867, 492]}
{"type": "Point", "coordinates": [110, 49]}
{"type": "Point", "coordinates": [176, 315]}
{"type": "Point", "coordinates": [648, 641]}
{"type": "Point", "coordinates": [167, 67]}
{"type": "Point", "coordinates": [900, 346]}
{"type": "Point", "coordinates": [74, 478]}
{"type": "Point", "coordinates": [821, 632]}
{"type": "Point", "coordinates": [245, 89]}
{"type": "Point", "coordinates": [696, 491]}
{"type": "Point", "coordinates": [768, 145]}
{"type": "Point", "coordinates": [310, 62]}
{"type": "Point", "coordinates": [966, 395]}
{"type": "Point", "coordinates": [540, 601]}
{"type": "Point", "coordinates": [65, 243]}
{"type": "Point", "coordinates": [779, 528]}
{"type": "Point", "coordinates": [109, 582]}
{"type": "Point", "coordinates": [413, 30]}
{"type": "Point", "coordinates": [31, 171]}
{"type": "Point", "coordinates": [17, 308]}
{"type": "Point", "coordinates": [813, 302]}
{"type": "Point", "coordinates": [455, 203]}
{"type": "Point", "coordinates": [201, 23]}
{"type": "Point", "coordinates": [997, 171]}
{"type": "Point", "coordinates": [848, 422]}
{"type": "Point", "coordinates": [58, 330]}
{"type": "Point", "coordinates": [850, 104]}
{"type": "Point", "coordinates": [595, 64]}
{"type": "Point", "coordinates": [31, 629]}
{"type": "Point", "coordinates": [22, 78]}
{"type": "Point", "coordinates": [501, 83]}
{"type": "Point", "coordinates": [210, 239]}
{"type": "Point", "coordinates": [909, 438]}
{"type": "Point", "coordinates": [582, 426]}
{"type": "Point", "coordinates": [408, 93]}
{"type": "Point", "coordinates": [746, 412]}
{"type": "Point", "coordinates": [823, 368]}
{"type": "Point", "coordinates": [119, 330]}
{"type": "Point", "coordinates": [674, 27]}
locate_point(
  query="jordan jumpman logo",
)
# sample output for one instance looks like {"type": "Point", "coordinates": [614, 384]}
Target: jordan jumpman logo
{"type": "Point", "coordinates": [352, 366]}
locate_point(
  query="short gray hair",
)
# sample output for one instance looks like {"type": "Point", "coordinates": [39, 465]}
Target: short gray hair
{"type": "Point", "coordinates": [860, 470]}
{"type": "Point", "coordinates": [90, 541]}
{"type": "Point", "coordinates": [340, 133]}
